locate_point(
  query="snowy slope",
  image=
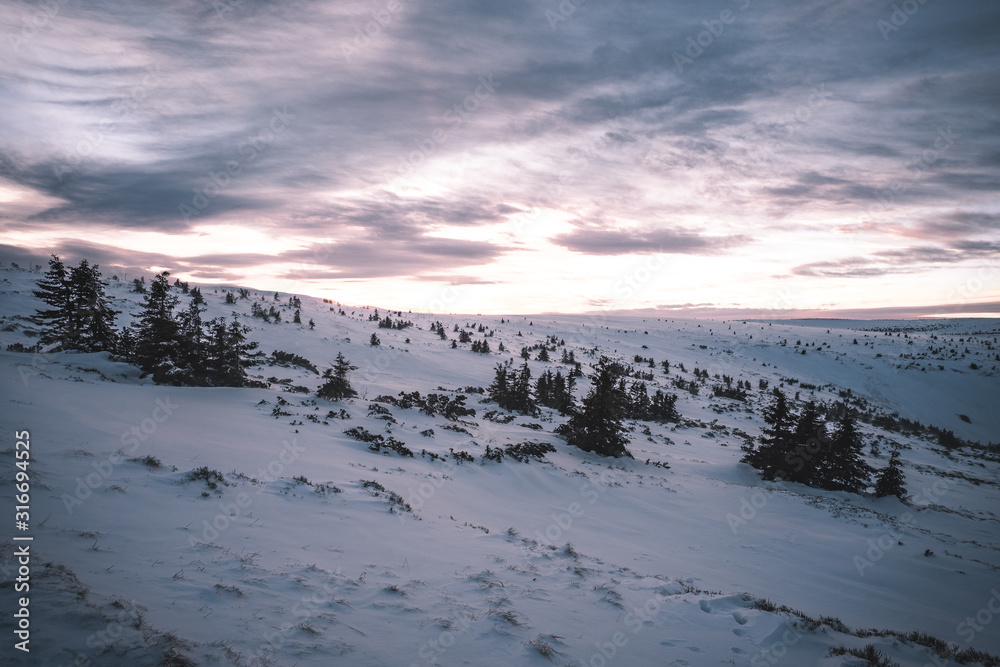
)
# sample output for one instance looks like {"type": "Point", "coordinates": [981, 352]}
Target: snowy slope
{"type": "Point", "coordinates": [602, 561]}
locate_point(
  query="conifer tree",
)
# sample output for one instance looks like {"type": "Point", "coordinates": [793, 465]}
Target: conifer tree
{"type": "Point", "coordinates": [93, 319]}
{"type": "Point", "coordinates": [663, 407]}
{"type": "Point", "coordinates": [158, 332]}
{"type": "Point", "coordinates": [80, 317]}
{"type": "Point", "coordinates": [191, 361]}
{"type": "Point", "coordinates": [374, 341]}
{"type": "Point", "coordinates": [126, 345]}
{"type": "Point", "coordinates": [543, 389]}
{"type": "Point", "coordinates": [54, 289]}
{"type": "Point", "coordinates": [563, 389]}
{"type": "Point", "coordinates": [638, 405]}
{"type": "Point", "coordinates": [598, 426]}
{"type": "Point", "coordinates": [102, 332]}
{"type": "Point", "coordinates": [521, 398]}
{"type": "Point", "coordinates": [776, 442]}
{"type": "Point", "coordinates": [337, 386]}
{"type": "Point", "coordinates": [891, 481]}
{"type": "Point", "coordinates": [844, 468]}
{"type": "Point", "coordinates": [802, 463]}
{"type": "Point", "coordinates": [229, 354]}
{"type": "Point", "coordinates": [499, 389]}
{"type": "Point", "coordinates": [552, 391]}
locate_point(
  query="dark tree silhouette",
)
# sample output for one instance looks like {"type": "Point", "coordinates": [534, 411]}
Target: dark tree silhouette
{"type": "Point", "coordinates": [844, 467]}
{"type": "Point", "coordinates": [891, 481]}
{"type": "Point", "coordinates": [337, 386]}
{"type": "Point", "coordinates": [228, 354]}
{"type": "Point", "coordinates": [54, 289]}
{"type": "Point", "coordinates": [158, 333]}
{"type": "Point", "coordinates": [78, 317]}
{"type": "Point", "coordinates": [802, 463]}
{"type": "Point", "coordinates": [597, 426]}
{"type": "Point", "coordinates": [777, 440]}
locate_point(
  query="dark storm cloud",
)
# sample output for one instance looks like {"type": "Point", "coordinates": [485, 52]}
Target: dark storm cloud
{"type": "Point", "coordinates": [136, 198]}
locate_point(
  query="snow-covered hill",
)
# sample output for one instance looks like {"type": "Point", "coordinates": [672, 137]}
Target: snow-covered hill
{"type": "Point", "coordinates": [178, 525]}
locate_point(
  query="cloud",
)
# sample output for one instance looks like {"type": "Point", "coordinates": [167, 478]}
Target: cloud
{"type": "Point", "coordinates": [387, 257]}
{"type": "Point", "coordinates": [713, 311]}
{"type": "Point", "coordinates": [911, 259]}
{"type": "Point", "coordinates": [391, 138]}
{"type": "Point", "coordinates": [954, 225]}
{"type": "Point", "coordinates": [412, 256]}
{"type": "Point", "coordinates": [621, 242]}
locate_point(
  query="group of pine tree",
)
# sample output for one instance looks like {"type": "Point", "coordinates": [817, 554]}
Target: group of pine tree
{"type": "Point", "coordinates": [597, 425]}
{"type": "Point", "coordinates": [171, 344]}
{"type": "Point", "coordinates": [798, 448]}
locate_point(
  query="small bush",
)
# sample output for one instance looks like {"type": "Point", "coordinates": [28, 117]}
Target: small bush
{"type": "Point", "coordinates": [280, 358]}
{"type": "Point", "coordinates": [544, 648]}
{"type": "Point", "coordinates": [212, 478]}
{"type": "Point", "coordinates": [499, 417]}
{"type": "Point", "coordinates": [149, 461]}
{"type": "Point", "coordinates": [461, 456]}
{"type": "Point", "coordinates": [522, 452]}
{"type": "Point", "coordinates": [395, 500]}
{"type": "Point", "coordinates": [377, 442]}
{"type": "Point", "coordinates": [874, 658]}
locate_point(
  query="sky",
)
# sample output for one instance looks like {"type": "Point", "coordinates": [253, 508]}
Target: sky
{"type": "Point", "coordinates": [727, 157]}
